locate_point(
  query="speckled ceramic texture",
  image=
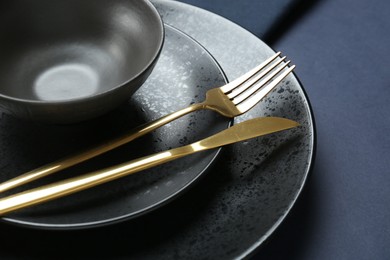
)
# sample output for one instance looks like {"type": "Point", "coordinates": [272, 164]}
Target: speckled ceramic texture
{"type": "Point", "coordinates": [182, 76]}
{"type": "Point", "coordinates": [247, 192]}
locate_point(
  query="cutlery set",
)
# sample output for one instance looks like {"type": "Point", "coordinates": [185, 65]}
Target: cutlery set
{"type": "Point", "coordinates": [230, 100]}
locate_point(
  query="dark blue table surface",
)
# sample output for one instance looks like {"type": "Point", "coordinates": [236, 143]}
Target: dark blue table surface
{"type": "Point", "coordinates": [341, 49]}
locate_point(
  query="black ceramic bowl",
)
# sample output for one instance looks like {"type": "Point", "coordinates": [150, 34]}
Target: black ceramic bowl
{"type": "Point", "coordinates": [64, 61]}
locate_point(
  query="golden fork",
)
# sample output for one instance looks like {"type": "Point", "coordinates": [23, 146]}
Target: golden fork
{"type": "Point", "coordinates": [230, 100]}
{"type": "Point", "coordinates": [240, 132]}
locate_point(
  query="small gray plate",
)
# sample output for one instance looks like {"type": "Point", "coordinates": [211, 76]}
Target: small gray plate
{"type": "Point", "coordinates": [183, 74]}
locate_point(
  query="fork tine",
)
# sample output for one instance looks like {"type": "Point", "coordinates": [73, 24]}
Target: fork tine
{"type": "Point", "coordinates": [256, 84]}
{"type": "Point", "coordinates": [259, 95]}
{"type": "Point", "coordinates": [237, 82]}
{"type": "Point", "coordinates": [244, 87]}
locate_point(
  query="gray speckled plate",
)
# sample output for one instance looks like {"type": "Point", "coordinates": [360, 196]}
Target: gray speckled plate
{"type": "Point", "coordinates": [183, 74]}
{"type": "Point", "coordinates": [245, 195]}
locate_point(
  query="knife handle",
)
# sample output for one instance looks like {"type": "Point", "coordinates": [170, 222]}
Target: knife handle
{"type": "Point", "coordinates": [76, 184]}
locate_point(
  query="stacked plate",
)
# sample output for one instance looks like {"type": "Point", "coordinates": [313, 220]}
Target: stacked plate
{"type": "Point", "coordinates": [220, 204]}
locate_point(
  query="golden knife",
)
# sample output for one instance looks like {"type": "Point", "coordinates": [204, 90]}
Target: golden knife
{"type": "Point", "coordinates": [240, 132]}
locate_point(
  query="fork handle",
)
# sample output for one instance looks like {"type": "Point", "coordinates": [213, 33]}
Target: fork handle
{"type": "Point", "coordinates": [95, 151]}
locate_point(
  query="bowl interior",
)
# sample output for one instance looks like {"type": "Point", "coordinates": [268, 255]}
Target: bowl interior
{"type": "Point", "coordinates": [65, 49]}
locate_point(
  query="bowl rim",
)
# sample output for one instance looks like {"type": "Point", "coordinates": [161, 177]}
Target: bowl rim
{"type": "Point", "coordinates": [155, 14]}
